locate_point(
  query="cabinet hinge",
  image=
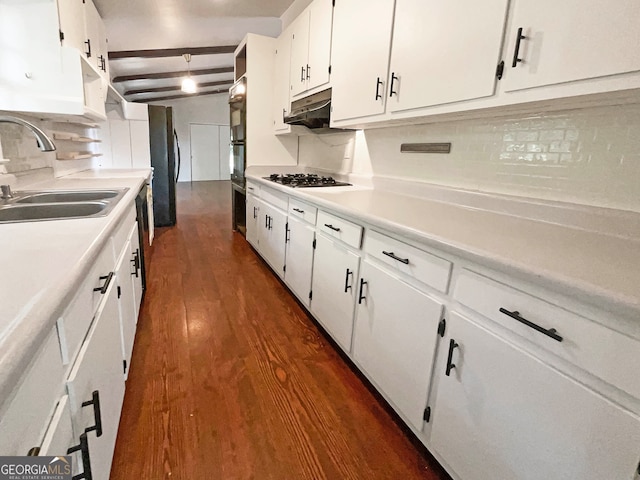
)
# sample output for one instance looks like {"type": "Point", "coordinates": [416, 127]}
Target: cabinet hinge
{"type": "Point", "coordinates": [284, 268]}
{"type": "Point", "coordinates": [124, 366]}
{"type": "Point", "coordinates": [310, 294]}
{"type": "Point", "coordinates": [61, 35]}
{"type": "Point", "coordinates": [441, 327]}
{"type": "Point", "coordinates": [314, 243]}
{"type": "Point", "coordinates": [427, 414]}
{"type": "Point", "coordinates": [119, 292]}
{"type": "Point", "coordinates": [500, 70]}
{"type": "Point", "coordinates": [334, 3]}
{"type": "Point", "coordinates": [329, 69]}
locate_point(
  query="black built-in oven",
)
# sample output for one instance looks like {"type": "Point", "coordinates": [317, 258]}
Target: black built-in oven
{"type": "Point", "coordinates": [238, 125]}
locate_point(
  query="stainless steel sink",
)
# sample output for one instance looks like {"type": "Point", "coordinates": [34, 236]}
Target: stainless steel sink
{"type": "Point", "coordinates": [50, 211]}
{"type": "Point", "coordinates": [35, 206]}
{"type": "Point", "coordinates": [67, 196]}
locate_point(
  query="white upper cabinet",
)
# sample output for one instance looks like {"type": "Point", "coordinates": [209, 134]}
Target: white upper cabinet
{"type": "Point", "coordinates": [281, 94]}
{"type": "Point", "coordinates": [360, 57]}
{"type": "Point", "coordinates": [321, 16]}
{"type": "Point", "coordinates": [72, 27]}
{"type": "Point", "coordinates": [96, 46]}
{"type": "Point", "coordinates": [311, 47]}
{"type": "Point", "coordinates": [579, 40]}
{"type": "Point", "coordinates": [444, 51]}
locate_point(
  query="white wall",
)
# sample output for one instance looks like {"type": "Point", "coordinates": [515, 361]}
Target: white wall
{"type": "Point", "coordinates": [589, 156]}
{"type": "Point", "coordinates": [211, 109]}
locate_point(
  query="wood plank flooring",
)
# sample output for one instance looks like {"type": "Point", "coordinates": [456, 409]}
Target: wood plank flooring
{"type": "Point", "coordinates": [231, 379]}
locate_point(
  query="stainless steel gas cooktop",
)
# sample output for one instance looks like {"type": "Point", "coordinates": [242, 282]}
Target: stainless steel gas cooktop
{"type": "Point", "coordinates": [300, 180]}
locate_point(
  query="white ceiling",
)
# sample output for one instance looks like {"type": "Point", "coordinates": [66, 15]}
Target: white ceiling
{"type": "Point", "coordinates": [161, 24]}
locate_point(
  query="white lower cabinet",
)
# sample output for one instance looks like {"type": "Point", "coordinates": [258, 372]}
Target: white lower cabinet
{"type": "Point", "coordinates": [395, 338]}
{"type": "Point", "coordinates": [59, 437]}
{"type": "Point", "coordinates": [334, 288]}
{"type": "Point", "coordinates": [299, 258]}
{"type": "Point", "coordinates": [135, 269]}
{"type": "Point", "coordinates": [126, 304]}
{"type": "Point", "coordinates": [500, 413]}
{"type": "Point", "coordinates": [96, 385]}
{"type": "Point", "coordinates": [271, 236]}
{"type": "Point", "coordinates": [253, 212]}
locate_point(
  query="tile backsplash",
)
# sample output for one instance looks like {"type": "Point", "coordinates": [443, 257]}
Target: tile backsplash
{"type": "Point", "coordinates": [589, 156]}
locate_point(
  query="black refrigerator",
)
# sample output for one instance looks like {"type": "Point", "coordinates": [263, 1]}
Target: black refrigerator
{"type": "Point", "coordinates": [163, 161]}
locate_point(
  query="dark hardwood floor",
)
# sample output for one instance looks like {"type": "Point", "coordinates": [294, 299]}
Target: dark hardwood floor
{"type": "Point", "coordinates": [231, 379]}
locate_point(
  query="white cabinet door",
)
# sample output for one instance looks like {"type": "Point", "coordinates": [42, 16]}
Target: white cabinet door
{"type": "Point", "coordinates": [395, 338]}
{"type": "Point", "coordinates": [71, 16]}
{"type": "Point", "coordinates": [98, 368]}
{"type": "Point", "coordinates": [504, 414]}
{"type": "Point", "coordinates": [360, 58]}
{"type": "Point", "coordinates": [321, 15]}
{"type": "Point", "coordinates": [334, 289]}
{"type": "Point", "coordinates": [299, 53]}
{"type": "Point", "coordinates": [253, 213]}
{"type": "Point", "coordinates": [135, 268]}
{"type": "Point", "coordinates": [92, 25]}
{"type": "Point", "coordinates": [571, 40]}
{"type": "Point", "coordinates": [282, 75]}
{"type": "Point", "coordinates": [444, 51]}
{"type": "Point", "coordinates": [299, 258]}
{"type": "Point", "coordinates": [271, 236]}
{"type": "Point", "coordinates": [126, 304]}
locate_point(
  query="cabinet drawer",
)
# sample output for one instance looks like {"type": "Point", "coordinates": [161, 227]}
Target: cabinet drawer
{"type": "Point", "coordinates": [253, 188]}
{"type": "Point", "coordinates": [121, 234]}
{"type": "Point", "coordinates": [75, 321]}
{"type": "Point", "coordinates": [24, 421]}
{"type": "Point", "coordinates": [277, 199]}
{"type": "Point", "coordinates": [303, 211]}
{"type": "Point", "coordinates": [413, 262]}
{"type": "Point", "coordinates": [341, 229]}
{"type": "Point", "coordinates": [603, 352]}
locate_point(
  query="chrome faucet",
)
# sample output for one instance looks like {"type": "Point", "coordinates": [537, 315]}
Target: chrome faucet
{"type": "Point", "coordinates": [6, 192]}
{"type": "Point", "coordinates": [44, 143]}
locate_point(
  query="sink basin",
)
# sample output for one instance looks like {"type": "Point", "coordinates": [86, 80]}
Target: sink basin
{"type": "Point", "coordinates": [68, 196]}
{"type": "Point", "coordinates": [51, 211]}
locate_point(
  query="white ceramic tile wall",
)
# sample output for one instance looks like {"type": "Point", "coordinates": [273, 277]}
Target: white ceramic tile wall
{"type": "Point", "coordinates": [589, 156]}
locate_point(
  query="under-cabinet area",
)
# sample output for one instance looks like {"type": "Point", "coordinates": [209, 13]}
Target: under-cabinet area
{"type": "Point", "coordinates": [497, 376]}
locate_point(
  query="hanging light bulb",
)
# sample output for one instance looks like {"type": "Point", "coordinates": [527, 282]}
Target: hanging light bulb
{"type": "Point", "coordinates": [188, 84]}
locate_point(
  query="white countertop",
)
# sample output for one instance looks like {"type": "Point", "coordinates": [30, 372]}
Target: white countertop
{"type": "Point", "coordinates": [43, 263]}
{"type": "Point", "coordinates": [596, 267]}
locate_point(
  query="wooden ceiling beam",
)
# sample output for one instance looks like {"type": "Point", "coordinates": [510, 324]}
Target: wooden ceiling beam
{"type": "Point", "coordinates": [160, 75]}
{"type": "Point", "coordinates": [185, 95]}
{"type": "Point", "coordinates": [176, 87]}
{"type": "Point", "coordinates": [171, 52]}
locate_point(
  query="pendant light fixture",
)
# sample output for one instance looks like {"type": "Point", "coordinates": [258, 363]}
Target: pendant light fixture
{"type": "Point", "coordinates": [188, 84]}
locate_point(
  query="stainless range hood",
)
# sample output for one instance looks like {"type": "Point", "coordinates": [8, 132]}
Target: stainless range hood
{"type": "Point", "coordinates": [313, 112]}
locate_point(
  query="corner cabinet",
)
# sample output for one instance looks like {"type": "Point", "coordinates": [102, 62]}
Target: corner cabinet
{"type": "Point", "coordinates": [502, 413]}
{"type": "Point", "coordinates": [311, 47]}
